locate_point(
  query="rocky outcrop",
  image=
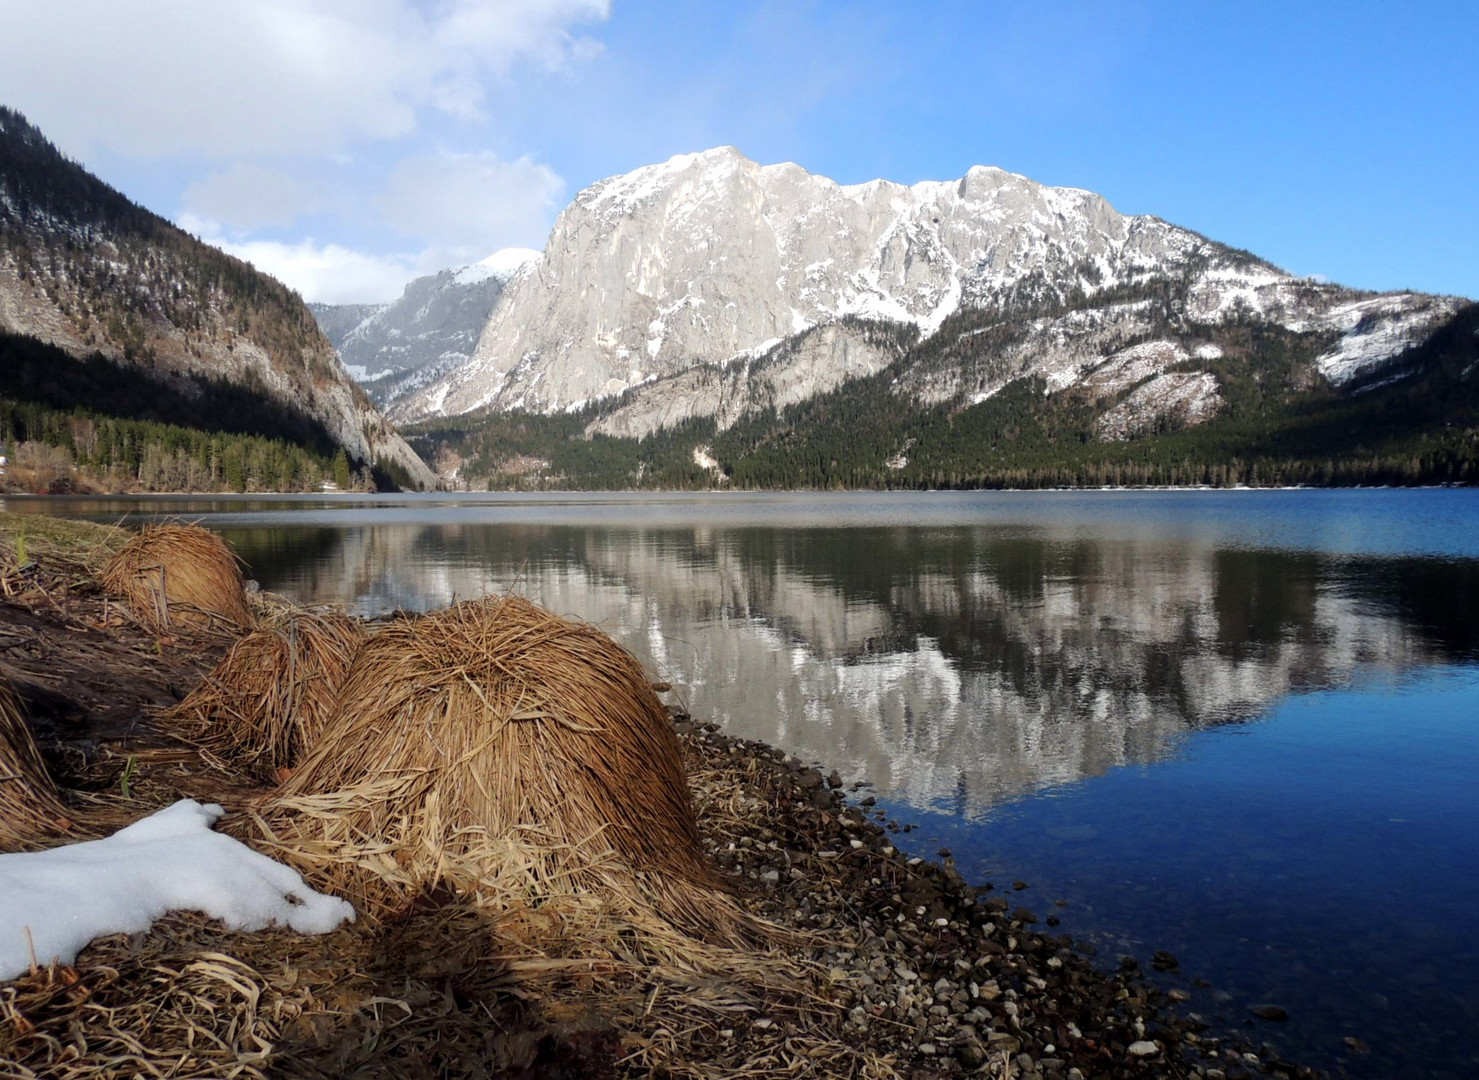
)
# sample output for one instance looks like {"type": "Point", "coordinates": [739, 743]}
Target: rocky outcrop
{"type": "Point", "coordinates": [810, 363]}
{"type": "Point", "coordinates": [710, 255]}
{"type": "Point", "coordinates": [394, 349]}
{"type": "Point", "coordinates": [84, 269]}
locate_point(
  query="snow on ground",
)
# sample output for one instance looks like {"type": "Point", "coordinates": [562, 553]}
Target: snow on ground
{"type": "Point", "coordinates": [52, 903]}
{"type": "Point", "coordinates": [1187, 398]}
{"type": "Point", "coordinates": [1131, 365]}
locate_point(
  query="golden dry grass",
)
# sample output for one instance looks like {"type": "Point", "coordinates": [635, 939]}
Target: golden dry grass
{"type": "Point", "coordinates": [178, 574]}
{"type": "Point", "coordinates": [519, 946]}
{"type": "Point", "coordinates": [265, 703]}
{"type": "Point", "coordinates": [497, 751]}
{"type": "Point", "coordinates": [31, 811]}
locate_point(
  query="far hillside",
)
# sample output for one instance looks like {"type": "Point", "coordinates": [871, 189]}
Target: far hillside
{"type": "Point", "coordinates": [133, 356]}
{"type": "Point", "coordinates": [1415, 421]}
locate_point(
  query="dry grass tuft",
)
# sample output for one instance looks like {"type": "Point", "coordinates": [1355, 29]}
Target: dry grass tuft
{"type": "Point", "coordinates": [177, 574]}
{"type": "Point", "coordinates": [496, 751]}
{"type": "Point", "coordinates": [265, 703]}
{"type": "Point", "coordinates": [31, 811]}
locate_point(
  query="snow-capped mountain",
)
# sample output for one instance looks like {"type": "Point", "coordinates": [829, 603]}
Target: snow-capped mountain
{"type": "Point", "coordinates": [394, 348]}
{"type": "Point", "coordinates": [710, 258]}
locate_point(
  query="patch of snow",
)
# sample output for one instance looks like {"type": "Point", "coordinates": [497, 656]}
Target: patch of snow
{"type": "Point", "coordinates": [52, 903]}
{"type": "Point", "coordinates": [1388, 381]}
{"type": "Point", "coordinates": [1209, 351]}
{"type": "Point", "coordinates": [1376, 330]}
{"type": "Point", "coordinates": [1131, 365]}
{"type": "Point", "coordinates": [1061, 379]}
{"type": "Point", "coordinates": [754, 352]}
{"type": "Point", "coordinates": [503, 264]}
{"type": "Point", "coordinates": [1188, 398]}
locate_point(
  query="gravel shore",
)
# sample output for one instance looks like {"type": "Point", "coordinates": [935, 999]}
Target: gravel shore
{"type": "Point", "coordinates": [950, 979]}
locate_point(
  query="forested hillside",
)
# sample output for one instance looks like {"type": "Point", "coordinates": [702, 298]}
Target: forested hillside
{"type": "Point", "coordinates": [89, 424]}
{"type": "Point", "coordinates": [196, 338]}
{"type": "Point", "coordinates": [1414, 421]}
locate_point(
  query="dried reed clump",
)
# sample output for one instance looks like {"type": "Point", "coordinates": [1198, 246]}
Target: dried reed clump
{"type": "Point", "coordinates": [264, 705]}
{"type": "Point", "coordinates": [31, 811]}
{"type": "Point", "coordinates": [499, 752]}
{"type": "Point", "coordinates": [179, 574]}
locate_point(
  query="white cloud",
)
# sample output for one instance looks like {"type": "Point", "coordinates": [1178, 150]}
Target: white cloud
{"type": "Point", "coordinates": [467, 205]}
{"type": "Point", "coordinates": [248, 196]}
{"type": "Point", "coordinates": [456, 208]}
{"type": "Point", "coordinates": [280, 109]}
{"type": "Point", "coordinates": [226, 78]}
{"type": "Point", "coordinates": [329, 273]}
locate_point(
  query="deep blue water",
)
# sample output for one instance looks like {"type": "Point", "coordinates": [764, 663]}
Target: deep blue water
{"type": "Point", "coordinates": [1239, 726]}
{"type": "Point", "coordinates": [1322, 857]}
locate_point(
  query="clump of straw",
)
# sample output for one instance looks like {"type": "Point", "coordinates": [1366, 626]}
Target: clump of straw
{"type": "Point", "coordinates": [268, 699]}
{"type": "Point", "coordinates": [498, 752]}
{"type": "Point", "coordinates": [31, 811]}
{"type": "Point", "coordinates": [176, 574]}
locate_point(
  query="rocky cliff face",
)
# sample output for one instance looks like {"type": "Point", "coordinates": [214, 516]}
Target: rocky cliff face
{"type": "Point", "coordinates": [86, 270]}
{"type": "Point", "coordinates": [394, 349]}
{"type": "Point", "coordinates": [712, 259]}
{"type": "Point", "coordinates": [804, 365]}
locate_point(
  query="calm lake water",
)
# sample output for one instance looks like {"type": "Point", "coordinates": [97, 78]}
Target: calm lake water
{"type": "Point", "coordinates": [1240, 726]}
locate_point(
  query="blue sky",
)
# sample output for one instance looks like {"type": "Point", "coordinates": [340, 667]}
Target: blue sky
{"type": "Point", "coordinates": [347, 145]}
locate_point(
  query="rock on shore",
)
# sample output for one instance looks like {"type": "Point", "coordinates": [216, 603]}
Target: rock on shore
{"type": "Point", "coordinates": [951, 979]}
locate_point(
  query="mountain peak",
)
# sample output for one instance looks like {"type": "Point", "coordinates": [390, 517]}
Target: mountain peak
{"type": "Point", "coordinates": [503, 264]}
{"type": "Point", "coordinates": [710, 258]}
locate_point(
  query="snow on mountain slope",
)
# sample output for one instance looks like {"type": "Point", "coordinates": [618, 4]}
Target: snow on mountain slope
{"type": "Point", "coordinates": [708, 257]}
{"type": "Point", "coordinates": [812, 362]}
{"type": "Point", "coordinates": [395, 348]}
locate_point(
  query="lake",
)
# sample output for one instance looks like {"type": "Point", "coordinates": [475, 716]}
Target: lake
{"type": "Point", "coordinates": [1239, 726]}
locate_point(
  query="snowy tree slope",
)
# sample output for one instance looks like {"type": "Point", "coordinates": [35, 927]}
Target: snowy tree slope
{"type": "Point", "coordinates": [88, 271]}
{"type": "Point", "coordinates": [52, 903]}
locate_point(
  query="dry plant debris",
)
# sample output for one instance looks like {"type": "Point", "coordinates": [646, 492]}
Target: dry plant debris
{"type": "Point", "coordinates": [31, 810]}
{"type": "Point", "coordinates": [266, 702]}
{"type": "Point", "coordinates": [179, 574]}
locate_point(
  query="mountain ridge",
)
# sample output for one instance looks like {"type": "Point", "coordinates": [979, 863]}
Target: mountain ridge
{"type": "Point", "coordinates": [394, 348]}
{"type": "Point", "coordinates": [712, 259]}
{"type": "Point", "coordinates": [86, 270]}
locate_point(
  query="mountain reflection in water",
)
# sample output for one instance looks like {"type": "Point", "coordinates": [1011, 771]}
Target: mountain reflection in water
{"type": "Point", "coordinates": [1291, 680]}
{"type": "Point", "coordinates": [952, 667]}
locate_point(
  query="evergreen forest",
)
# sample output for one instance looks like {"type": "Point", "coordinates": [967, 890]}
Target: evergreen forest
{"type": "Point", "coordinates": [1414, 422]}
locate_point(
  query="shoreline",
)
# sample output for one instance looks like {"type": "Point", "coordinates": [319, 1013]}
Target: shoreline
{"type": "Point", "coordinates": [918, 972]}
{"type": "Point", "coordinates": [42, 496]}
